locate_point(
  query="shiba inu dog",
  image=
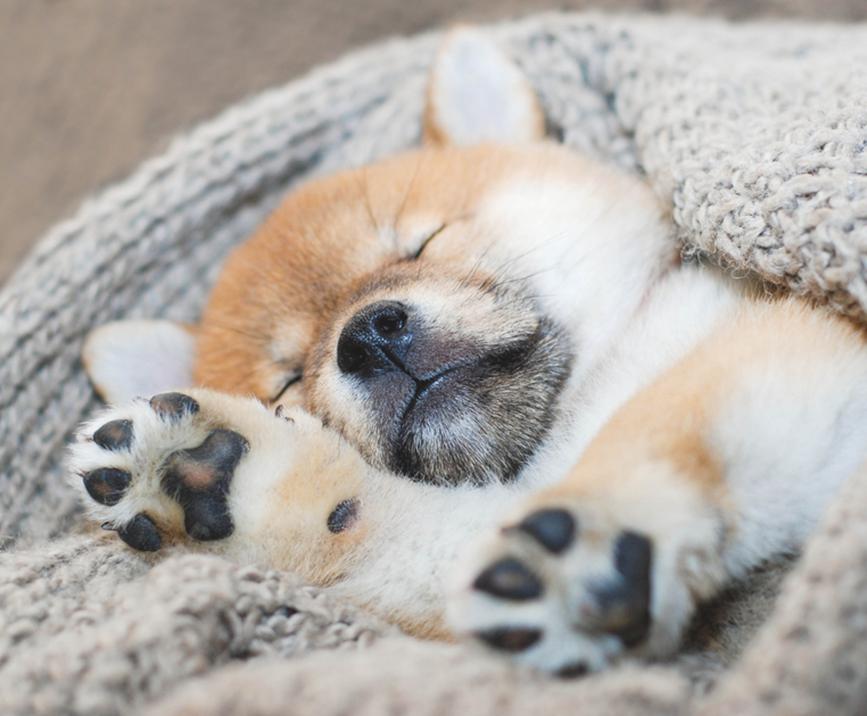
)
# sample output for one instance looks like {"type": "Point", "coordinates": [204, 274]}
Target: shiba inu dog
{"type": "Point", "coordinates": [473, 389]}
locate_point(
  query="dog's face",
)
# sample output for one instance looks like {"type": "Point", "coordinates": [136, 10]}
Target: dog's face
{"type": "Point", "coordinates": [381, 300]}
{"type": "Point", "coordinates": [431, 307]}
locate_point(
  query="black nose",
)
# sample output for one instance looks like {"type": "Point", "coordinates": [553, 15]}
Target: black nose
{"type": "Point", "coordinates": [375, 339]}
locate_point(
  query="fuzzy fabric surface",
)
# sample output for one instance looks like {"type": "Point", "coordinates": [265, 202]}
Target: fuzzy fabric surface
{"type": "Point", "coordinates": [755, 134]}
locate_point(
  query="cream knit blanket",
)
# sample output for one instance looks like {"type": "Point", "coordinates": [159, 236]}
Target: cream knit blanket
{"type": "Point", "coordinates": [756, 135]}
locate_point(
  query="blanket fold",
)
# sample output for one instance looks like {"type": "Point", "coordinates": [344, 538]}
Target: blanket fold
{"type": "Point", "coordinates": [89, 628]}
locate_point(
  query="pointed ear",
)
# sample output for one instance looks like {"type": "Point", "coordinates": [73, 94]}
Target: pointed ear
{"type": "Point", "coordinates": [477, 94]}
{"type": "Point", "coordinates": [130, 359]}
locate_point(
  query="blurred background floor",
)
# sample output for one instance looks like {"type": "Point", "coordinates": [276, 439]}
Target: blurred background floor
{"type": "Point", "coordinates": [88, 88]}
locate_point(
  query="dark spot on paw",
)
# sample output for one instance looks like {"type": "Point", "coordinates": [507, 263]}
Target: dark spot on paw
{"type": "Point", "coordinates": [624, 601]}
{"type": "Point", "coordinates": [115, 435]}
{"type": "Point", "coordinates": [572, 671]}
{"type": "Point", "coordinates": [509, 579]}
{"type": "Point", "coordinates": [510, 639]}
{"type": "Point", "coordinates": [553, 528]}
{"type": "Point", "coordinates": [107, 485]}
{"type": "Point", "coordinates": [141, 533]}
{"type": "Point", "coordinates": [173, 406]}
{"type": "Point", "coordinates": [199, 479]}
{"type": "Point", "coordinates": [343, 516]}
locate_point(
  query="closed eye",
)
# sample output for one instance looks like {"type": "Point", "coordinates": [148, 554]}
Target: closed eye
{"type": "Point", "coordinates": [424, 243]}
{"type": "Point", "coordinates": [296, 378]}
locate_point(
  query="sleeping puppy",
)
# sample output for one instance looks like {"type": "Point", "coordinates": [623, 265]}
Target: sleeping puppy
{"type": "Point", "coordinates": [472, 389]}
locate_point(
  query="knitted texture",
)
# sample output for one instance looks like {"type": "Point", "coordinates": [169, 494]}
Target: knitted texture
{"type": "Point", "coordinates": [87, 628]}
{"type": "Point", "coordinates": [757, 137]}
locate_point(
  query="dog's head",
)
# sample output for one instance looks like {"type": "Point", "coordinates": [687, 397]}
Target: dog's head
{"type": "Point", "coordinates": [430, 307]}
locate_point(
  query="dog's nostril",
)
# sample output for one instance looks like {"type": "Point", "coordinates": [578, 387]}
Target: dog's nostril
{"type": "Point", "coordinates": [376, 338]}
{"type": "Point", "coordinates": [352, 356]}
{"type": "Point", "coordinates": [389, 323]}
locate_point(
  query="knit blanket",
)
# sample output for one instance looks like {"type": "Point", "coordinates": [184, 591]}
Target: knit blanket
{"type": "Point", "coordinates": [756, 135]}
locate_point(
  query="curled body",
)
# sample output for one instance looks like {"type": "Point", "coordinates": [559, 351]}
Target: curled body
{"type": "Point", "coordinates": [474, 389]}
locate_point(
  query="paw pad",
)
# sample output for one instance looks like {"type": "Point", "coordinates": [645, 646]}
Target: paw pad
{"type": "Point", "coordinates": [173, 406]}
{"type": "Point", "coordinates": [554, 529]}
{"type": "Point", "coordinates": [107, 485]}
{"type": "Point", "coordinates": [624, 601]}
{"type": "Point", "coordinates": [115, 435]}
{"type": "Point", "coordinates": [573, 671]}
{"type": "Point", "coordinates": [563, 591]}
{"type": "Point", "coordinates": [199, 480]}
{"type": "Point", "coordinates": [512, 640]}
{"type": "Point", "coordinates": [509, 579]}
{"type": "Point", "coordinates": [141, 533]}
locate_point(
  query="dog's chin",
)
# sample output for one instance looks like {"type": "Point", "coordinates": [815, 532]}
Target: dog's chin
{"type": "Point", "coordinates": [437, 437]}
{"type": "Point", "coordinates": [478, 423]}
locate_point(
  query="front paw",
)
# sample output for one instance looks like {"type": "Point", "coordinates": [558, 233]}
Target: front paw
{"type": "Point", "coordinates": [160, 466]}
{"type": "Point", "coordinates": [224, 474]}
{"type": "Point", "coordinates": [568, 589]}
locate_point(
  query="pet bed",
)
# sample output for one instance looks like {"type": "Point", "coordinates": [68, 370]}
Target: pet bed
{"type": "Point", "coordinates": [756, 135]}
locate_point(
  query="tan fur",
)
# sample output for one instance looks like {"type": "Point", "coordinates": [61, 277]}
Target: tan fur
{"type": "Point", "coordinates": [669, 420]}
{"type": "Point", "coordinates": [296, 276]}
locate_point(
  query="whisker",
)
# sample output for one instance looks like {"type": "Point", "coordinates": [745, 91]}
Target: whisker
{"type": "Point", "coordinates": [514, 259]}
{"type": "Point", "coordinates": [239, 331]}
{"type": "Point", "coordinates": [472, 272]}
{"type": "Point", "coordinates": [403, 202]}
{"type": "Point", "coordinates": [361, 179]}
{"type": "Point", "coordinates": [520, 279]}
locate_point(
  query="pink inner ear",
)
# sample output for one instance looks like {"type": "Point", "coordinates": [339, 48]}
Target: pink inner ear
{"type": "Point", "coordinates": [130, 359]}
{"type": "Point", "coordinates": [477, 94]}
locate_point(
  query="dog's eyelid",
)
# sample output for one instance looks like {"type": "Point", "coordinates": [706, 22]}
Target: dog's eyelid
{"type": "Point", "coordinates": [430, 238]}
{"type": "Point", "coordinates": [292, 380]}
